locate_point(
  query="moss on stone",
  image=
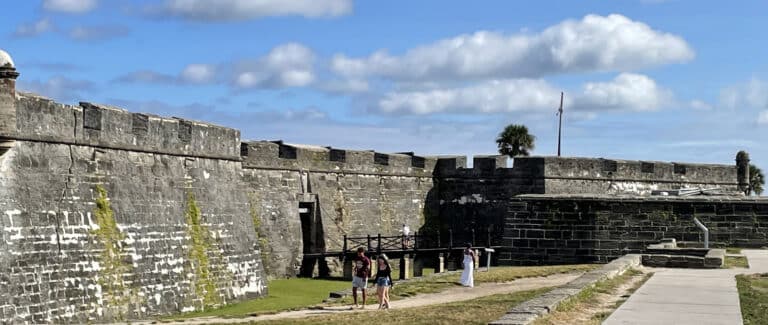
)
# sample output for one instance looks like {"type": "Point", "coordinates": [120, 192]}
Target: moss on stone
{"type": "Point", "coordinates": [200, 245]}
{"type": "Point", "coordinates": [255, 203]}
{"type": "Point", "coordinates": [113, 266]}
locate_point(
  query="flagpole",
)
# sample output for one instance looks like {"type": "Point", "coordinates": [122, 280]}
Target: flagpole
{"type": "Point", "coordinates": [560, 125]}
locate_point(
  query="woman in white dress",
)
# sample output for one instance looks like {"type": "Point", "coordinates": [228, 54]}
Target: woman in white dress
{"type": "Point", "coordinates": [467, 277]}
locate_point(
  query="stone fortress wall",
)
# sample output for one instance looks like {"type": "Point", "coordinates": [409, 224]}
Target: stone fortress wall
{"type": "Point", "coordinates": [196, 217]}
{"type": "Point", "coordinates": [106, 214]}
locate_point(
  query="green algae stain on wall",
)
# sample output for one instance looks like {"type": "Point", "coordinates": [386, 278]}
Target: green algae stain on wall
{"type": "Point", "coordinates": [113, 265]}
{"type": "Point", "coordinates": [255, 203]}
{"type": "Point", "coordinates": [200, 244]}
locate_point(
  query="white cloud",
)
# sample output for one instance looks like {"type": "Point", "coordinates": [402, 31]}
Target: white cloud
{"type": "Point", "coordinates": [34, 29]}
{"type": "Point", "coordinates": [628, 91]}
{"type": "Point", "coordinates": [348, 86]}
{"type": "Point", "coordinates": [288, 65]}
{"type": "Point", "coordinates": [97, 33]}
{"type": "Point", "coordinates": [58, 87]}
{"type": "Point", "coordinates": [699, 105]}
{"type": "Point", "coordinates": [762, 118]}
{"type": "Point", "coordinates": [235, 10]}
{"type": "Point", "coordinates": [70, 6]}
{"type": "Point", "coordinates": [594, 43]}
{"type": "Point", "coordinates": [198, 73]}
{"type": "Point", "coordinates": [752, 94]}
{"type": "Point", "coordinates": [488, 97]}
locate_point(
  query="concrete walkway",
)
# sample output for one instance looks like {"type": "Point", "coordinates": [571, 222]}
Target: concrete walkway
{"type": "Point", "coordinates": [689, 296]}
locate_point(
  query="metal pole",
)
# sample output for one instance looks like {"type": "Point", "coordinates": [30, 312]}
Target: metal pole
{"type": "Point", "coordinates": [704, 229]}
{"type": "Point", "coordinates": [450, 238]}
{"type": "Point", "coordinates": [378, 248]}
{"type": "Point", "coordinates": [473, 237]}
{"type": "Point", "coordinates": [560, 125]}
{"type": "Point", "coordinates": [489, 236]}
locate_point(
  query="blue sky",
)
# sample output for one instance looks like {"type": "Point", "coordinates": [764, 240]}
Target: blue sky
{"type": "Point", "coordinates": [667, 80]}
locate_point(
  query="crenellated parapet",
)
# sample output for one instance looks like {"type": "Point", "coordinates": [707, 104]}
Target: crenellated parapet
{"type": "Point", "coordinates": [43, 120]}
{"type": "Point", "coordinates": [280, 155]}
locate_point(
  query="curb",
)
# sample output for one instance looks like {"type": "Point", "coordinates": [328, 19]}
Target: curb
{"type": "Point", "coordinates": [528, 311]}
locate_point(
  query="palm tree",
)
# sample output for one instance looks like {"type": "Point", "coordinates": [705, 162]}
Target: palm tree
{"type": "Point", "coordinates": [515, 141]}
{"type": "Point", "coordinates": [756, 179]}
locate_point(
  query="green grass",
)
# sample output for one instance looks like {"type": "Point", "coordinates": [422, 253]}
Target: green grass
{"type": "Point", "coordinates": [284, 294]}
{"type": "Point", "coordinates": [476, 311]}
{"type": "Point", "coordinates": [753, 296]}
{"type": "Point", "coordinates": [299, 293]}
{"type": "Point", "coordinates": [588, 297]}
{"type": "Point", "coordinates": [733, 250]}
{"type": "Point", "coordinates": [437, 283]}
{"type": "Point", "coordinates": [735, 261]}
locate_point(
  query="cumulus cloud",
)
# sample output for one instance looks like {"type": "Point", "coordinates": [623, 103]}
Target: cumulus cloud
{"type": "Point", "coordinates": [58, 87]}
{"type": "Point", "coordinates": [348, 86]}
{"type": "Point", "coordinates": [488, 97]}
{"type": "Point", "coordinates": [699, 105]}
{"type": "Point", "coordinates": [97, 33]}
{"type": "Point", "coordinates": [34, 29]}
{"type": "Point", "coordinates": [237, 10]}
{"type": "Point", "coordinates": [751, 94]}
{"type": "Point", "coordinates": [762, 118]}
{"type": "Point", "coordinates": [288, 65]}
{"type": "Point", "coordinates": [594, 43]}
{"type": "Point", "coordinates": [70, 6]}
{"type": "Point", "coordinates": [196, 73]}
{"type": "Point", "coordinates": [628, 91]}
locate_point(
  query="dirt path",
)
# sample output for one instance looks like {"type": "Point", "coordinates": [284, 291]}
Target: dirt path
{"type": "Point", "coordinates": [450, 295]}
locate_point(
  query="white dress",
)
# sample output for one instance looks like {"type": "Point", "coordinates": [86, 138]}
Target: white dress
{"type": "Point", "coordinates": [467, 277]}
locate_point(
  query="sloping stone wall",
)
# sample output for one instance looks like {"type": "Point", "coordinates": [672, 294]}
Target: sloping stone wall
{"type": "Point", "coordinates": [102, 232]}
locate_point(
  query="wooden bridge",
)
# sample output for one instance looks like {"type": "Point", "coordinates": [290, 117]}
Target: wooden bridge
{"type": "Point", "coordinates": [401, 244]}
{"type": "Point", "coordinates": [438, 246]}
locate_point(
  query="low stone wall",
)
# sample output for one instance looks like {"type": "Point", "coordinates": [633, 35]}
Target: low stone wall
{"type": "Point", "coordinates": [529, 311]}
{"type": "Point", "coordinates": [564, 229]}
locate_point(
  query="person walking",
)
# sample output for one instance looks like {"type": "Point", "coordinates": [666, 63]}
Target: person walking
{"type": "Point", "coordinates": [383, 281]}
{"type": "Point", "coordinates": [360, 272]}
{"type": "Point", "coordinates": [467, 276]}
{"type": "Point", "coordinates": [406, 236]}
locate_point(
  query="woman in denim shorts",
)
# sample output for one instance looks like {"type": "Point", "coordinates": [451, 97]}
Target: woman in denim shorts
{"type": "Point", "coordinates": [383, 281]}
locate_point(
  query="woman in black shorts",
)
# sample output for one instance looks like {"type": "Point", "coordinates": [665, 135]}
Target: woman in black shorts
{"type": "Point", "coordinates": [383, 281]}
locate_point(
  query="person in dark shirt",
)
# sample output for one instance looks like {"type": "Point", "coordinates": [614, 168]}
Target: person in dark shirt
{"type": "Point", "coordinates": [361, 270]}
{"type": "Point", "coordinates": [383, 281]}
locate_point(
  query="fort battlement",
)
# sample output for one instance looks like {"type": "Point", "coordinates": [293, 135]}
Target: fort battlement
{"type": "Point", "coordinates": [43, 120]}
{"type": "Point", "coordinates": [79, 181]}
{"type": "Point", "coordinates": [279, 155]}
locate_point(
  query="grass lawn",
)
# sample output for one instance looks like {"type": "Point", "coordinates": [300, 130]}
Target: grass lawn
{"type": "Point", "coordinates": [284, 294]}
{"type": "Point", "coordinates": [753, 296]}
{"type": "Point", "coordinates": [299, 293]}
{"type": "Point", "coordinates": [476, 311]}
{"type": "Point", "coordinates": [733, 250]}
{"type": "Point", "coordinates": [589, 298]}
{"type": "Point", "coordinates": [437, 283]}
{"type": "Point", "coordinates": [736, 261]}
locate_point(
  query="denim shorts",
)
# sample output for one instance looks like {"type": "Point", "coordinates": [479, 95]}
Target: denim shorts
{"type": "Point", "coordinates": [383, 282]}
{"type": "Point", "coordinates": [358, 282]}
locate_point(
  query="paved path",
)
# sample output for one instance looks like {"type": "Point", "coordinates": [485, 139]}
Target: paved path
{"type": "Point", "coordinates": [689, 296]}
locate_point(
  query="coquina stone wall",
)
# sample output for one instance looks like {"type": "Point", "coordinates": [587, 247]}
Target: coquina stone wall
{"type": "Point", "coordinates": [111, 215]}
{"type": "Point", "coordinates": [559, 229]}
{"type": "Point", "coordinates": [107, 214]}
{"type": "Point", "coordinates": [342, 192]}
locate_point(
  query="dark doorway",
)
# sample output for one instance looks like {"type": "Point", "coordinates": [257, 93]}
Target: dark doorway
{"type": "Point", "coordinates": [313, 240]}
